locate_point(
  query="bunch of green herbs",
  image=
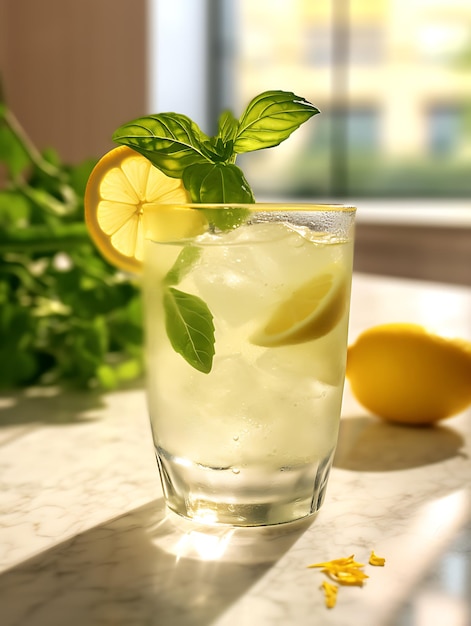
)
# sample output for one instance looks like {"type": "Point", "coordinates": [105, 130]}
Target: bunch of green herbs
{"type": "Point", "coordinates": [66, 316]}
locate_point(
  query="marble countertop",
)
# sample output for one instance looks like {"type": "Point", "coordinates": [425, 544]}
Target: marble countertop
{"type": "Point", "coordinates": [85, 539]}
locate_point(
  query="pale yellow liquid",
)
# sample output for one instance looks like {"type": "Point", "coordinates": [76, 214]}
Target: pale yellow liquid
{"type": "Point", "coordinates": [262, 426]}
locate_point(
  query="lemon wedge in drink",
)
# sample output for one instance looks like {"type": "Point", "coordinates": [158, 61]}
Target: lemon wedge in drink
{"type": "Point", "coordinates": [403, 373]}
{"type": "Point", "coordinates": [122, 186]}
{"type": "Point", "coordinates": [310, 312]}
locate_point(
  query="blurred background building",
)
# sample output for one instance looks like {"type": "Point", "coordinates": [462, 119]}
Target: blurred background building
{"type": "Point", "coordinates": [392, 79]}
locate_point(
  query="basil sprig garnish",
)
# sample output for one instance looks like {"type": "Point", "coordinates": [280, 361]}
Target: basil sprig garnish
{"type": "Point", "coordinates": [180, 149]}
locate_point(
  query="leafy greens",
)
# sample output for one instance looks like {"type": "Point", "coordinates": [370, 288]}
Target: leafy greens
{"type": "Point", "coordinates": [66, 316]}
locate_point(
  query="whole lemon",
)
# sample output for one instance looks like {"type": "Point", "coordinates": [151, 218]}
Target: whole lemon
{"type": "Point", "coordinates": [403, 373]}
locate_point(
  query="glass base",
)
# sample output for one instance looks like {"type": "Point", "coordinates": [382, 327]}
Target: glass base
{"type": "Point", "coordinates": [253, 496]}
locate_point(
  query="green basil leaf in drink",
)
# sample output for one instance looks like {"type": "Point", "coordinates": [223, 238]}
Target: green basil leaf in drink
{"type": "Point", "coordinates": [270, 118]}
{"type": "Point", "coordinates": [190, 328]}
{"type": "Point", "coordinates": [171, 141]}
{"type": "Point", "coordinates": [184, 263]}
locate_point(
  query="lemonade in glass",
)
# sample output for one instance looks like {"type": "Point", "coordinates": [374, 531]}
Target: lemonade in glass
{"type": "Point", "coordinates": [248, 437]}
{"type": "Point", "coordinates": [246, 311]}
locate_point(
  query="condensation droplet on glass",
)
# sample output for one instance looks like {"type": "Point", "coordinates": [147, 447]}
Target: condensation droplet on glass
{"type": "Point", "coordinates": [235, 437]}
{"type": "Point", "coordinates": [235, 470]}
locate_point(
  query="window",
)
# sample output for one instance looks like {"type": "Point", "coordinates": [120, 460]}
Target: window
{"type": "Point", "coordinates": [367, 66]}
{"type": "Point", "coordinates": [317, 42]}
{"type": "Point", "coordinates": [363, 129]}
{"type": "Point", "coordinates": [367, 44]}
{"type": "Point", "coordinates": [443, 124]}
{"type": "Point", "coordinates": [376, 70]}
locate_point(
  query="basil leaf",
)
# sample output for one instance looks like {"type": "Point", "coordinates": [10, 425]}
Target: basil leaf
{"type": "Point", "coordinates": [190, 328]}
{"type": "Point", "coordinates": [270, 118]}
{"type": "Point", "coordinates": [227, 126]}
{"type": "Point", "coordinates": [185, 260]}
{"type": "Point", "coordinates": [171, 141]}
{"type": "Point", "coordinates": [217, 183]}
{"type": "Point", "coordinates": [217, 150]}
{"type": "Point", "coordinates": [226, 219]}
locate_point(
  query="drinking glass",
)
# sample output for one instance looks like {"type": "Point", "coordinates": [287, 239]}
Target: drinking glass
{"type": "Point", "coordinates": [246, 437]}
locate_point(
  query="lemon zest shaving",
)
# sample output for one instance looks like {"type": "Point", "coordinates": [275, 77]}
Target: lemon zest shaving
{"type": "Point", "coordinates": [345, 571]}
{"type": "Point", "coordinates": [376, 560]}
{"type": "Point", "coordinates": [330, 593]}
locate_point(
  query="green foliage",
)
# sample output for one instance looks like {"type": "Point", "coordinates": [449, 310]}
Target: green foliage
{"type": "Point", "coordinates": [66, 315]}
{"type": "Point", "coordinates": [179, 148]}
{"type": "Point", "coordinates": [185, 261]}
{"type": "Point", "coordinates": [270, 118]}
{"type": "Point", "coordinates": [188, 320]}
{"type": "Point", "coordinates": [171, 141]}
{"type": "Point", "coordinates": [217, 182]}
{"type": "Point", "coordinates": [190, 328]}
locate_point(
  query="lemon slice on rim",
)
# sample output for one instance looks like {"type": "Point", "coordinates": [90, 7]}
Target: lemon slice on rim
{"type": "Point", "coordinates": [310, 312]}
{"type": "Point", "coordinates": [120, 188]}
{"type": "Point", "coordinates": [403, 373]}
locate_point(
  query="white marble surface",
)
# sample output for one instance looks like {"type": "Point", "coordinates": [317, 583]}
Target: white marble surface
{"type": "Point", "coordinates": [85, 539]}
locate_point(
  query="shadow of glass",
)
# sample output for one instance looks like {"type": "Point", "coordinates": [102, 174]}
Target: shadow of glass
{"type": "Point", "coordinates": [144, 567]}
{"type": "Point", "coordinates": [367, 444]}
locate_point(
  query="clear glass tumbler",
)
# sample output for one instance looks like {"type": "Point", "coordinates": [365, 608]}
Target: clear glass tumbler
{"type": "Point", "coordinates": [246, 311]}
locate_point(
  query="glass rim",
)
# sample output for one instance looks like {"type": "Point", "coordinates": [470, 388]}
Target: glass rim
{"type": "Point", "coordinates": [258, 207]}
